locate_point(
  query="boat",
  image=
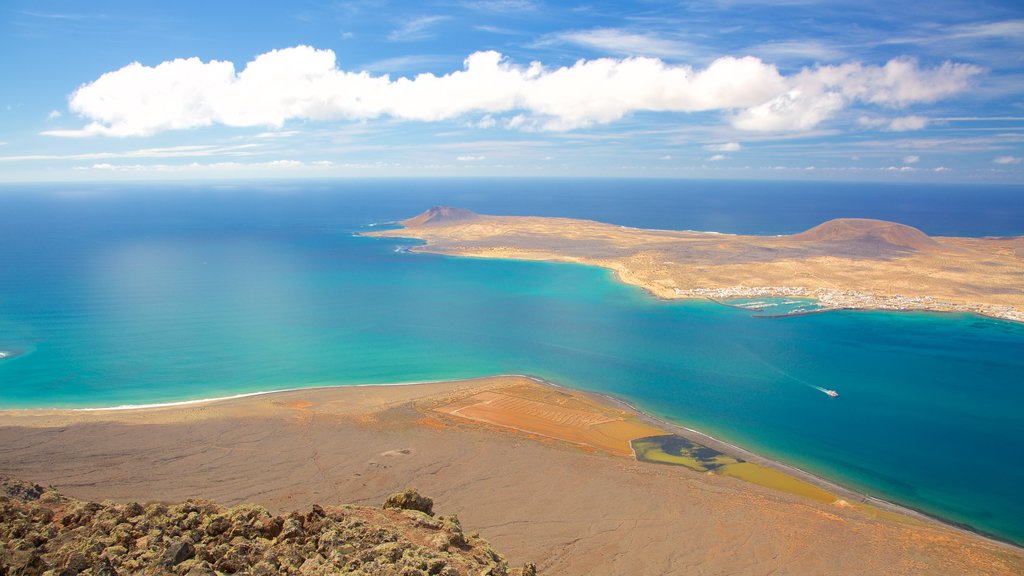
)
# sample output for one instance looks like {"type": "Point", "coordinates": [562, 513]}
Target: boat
{"type": "Point", "coordinates": [831, 393]}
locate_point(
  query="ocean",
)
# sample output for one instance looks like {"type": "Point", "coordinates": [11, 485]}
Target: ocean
{"type": "Point", "coordinates": [140, 294]}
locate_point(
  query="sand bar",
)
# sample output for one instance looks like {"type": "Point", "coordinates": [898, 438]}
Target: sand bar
{"type": "Point", "coordinates": [541, 471]}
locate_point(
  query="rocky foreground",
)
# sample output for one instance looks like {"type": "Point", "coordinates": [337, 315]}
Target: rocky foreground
{"type": "Point", "coordinates": [43, 532]}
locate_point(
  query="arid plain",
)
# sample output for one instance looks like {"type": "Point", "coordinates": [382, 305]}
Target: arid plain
{"type": "Point", "coordinates": [544, 473]}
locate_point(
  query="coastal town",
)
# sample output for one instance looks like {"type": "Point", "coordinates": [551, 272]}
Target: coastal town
{"type": "Point", "coordinates": [833, 299]}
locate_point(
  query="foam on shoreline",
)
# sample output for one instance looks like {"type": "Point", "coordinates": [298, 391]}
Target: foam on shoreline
{"type": "Point", "coordinates": [177, 403]}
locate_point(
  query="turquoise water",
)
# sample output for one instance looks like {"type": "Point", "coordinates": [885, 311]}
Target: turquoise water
{"type": "Point", "coordinates": [112, 307]}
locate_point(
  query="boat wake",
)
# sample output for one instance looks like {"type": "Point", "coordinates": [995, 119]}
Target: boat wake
{"type": "Point", "coordinates": [831, 393]}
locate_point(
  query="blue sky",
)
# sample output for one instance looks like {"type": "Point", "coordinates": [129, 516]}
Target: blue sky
{"type": "Point", "coordinates": [783, 89]}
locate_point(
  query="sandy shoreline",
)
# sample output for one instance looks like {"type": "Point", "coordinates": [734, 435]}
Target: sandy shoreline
{"type": "Point", "coordinates": [705, 439]}
{"type": "Point", "coordinates": [538, 491]}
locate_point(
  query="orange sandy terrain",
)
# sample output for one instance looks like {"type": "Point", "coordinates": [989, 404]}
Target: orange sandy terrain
{"type": "Point", "coordinates": [847, 263]}
{"type": "Point", "coordinates": [554, 414]}
{"type": "Point", "coordinates": [543, 472]}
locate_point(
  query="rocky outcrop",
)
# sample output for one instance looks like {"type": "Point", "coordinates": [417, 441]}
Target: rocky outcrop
{"type": "Point", "coordinates": [43, 532]}
{"type": "Point", "coordinates": [410, 500]}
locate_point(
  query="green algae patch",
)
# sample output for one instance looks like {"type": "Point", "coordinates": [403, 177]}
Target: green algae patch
{"type": "Point", "coordinates": [776, 480]}
{"type": "Point", "coordinates": [678, 451]}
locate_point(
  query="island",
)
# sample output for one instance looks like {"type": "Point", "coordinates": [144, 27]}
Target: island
{"type": "Point", "coordinates": [849, 263]}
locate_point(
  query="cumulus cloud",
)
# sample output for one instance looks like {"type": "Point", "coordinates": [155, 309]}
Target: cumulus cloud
{"type": "Point", "coordinates": [303, 83]}
{"type": "Point", "coordinates": [1006, 160]}
{"type": "Point", "coordinates": [470, 158]}
{"type": "Point", "coordinates": [718, 158]}
{"type": "Point", "coordinates": [816, 94]}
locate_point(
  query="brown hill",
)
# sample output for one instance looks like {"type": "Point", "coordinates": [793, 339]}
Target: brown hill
{"type": "Point", "coordinates": [869, 234]}
{"type": "Point", "coordinates": [439, 215]}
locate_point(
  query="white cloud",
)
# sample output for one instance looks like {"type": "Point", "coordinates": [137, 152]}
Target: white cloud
{"type": "Point", "coordinates": [53, 115]}
{"type": "Point", "coordinates": [942, 169]}
{"type": "Point", "coordinates": [303, 83]}
{"type": "Point", "coordinates": [906, 123]}
{"type": "Point", "coordinates": [802, 50]}
{"type": "Point", "coordinates": [665, 157]}
{"type": "Point", "coordinates": [277, 134]}
{"type": "Point", "coordinates": [286, 164]}
{"type": "Point", "coordinates": [470, 158]}
{"type": "Point", "coordinates": [793, 110]}
{"type": "Point", "coordinates": [416, 29]}
{"type": "Point", "coordinates": [1010, 29]}
{"type": "Point", "coordinates": [186, 151]}
{"type": "Point", "coordinates": [725, 147]}
{"type": "Point", "coordinates": [815, 94]}
{"type": "Point", "coordinates": [502, 5]}
{"type": "Point", "coordinates": [621, 42]}
{"type": "Point", "coordinates": [718, 158]}
{"type": "Point", "coordinates": [1006, 160]}
{"type": "Point", "coordinates": [911, 159]}
{"type": "Point", "coordinates": [487, 121]}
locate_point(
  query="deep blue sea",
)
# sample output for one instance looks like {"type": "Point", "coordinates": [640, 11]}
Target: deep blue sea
{"type": "Point", "coordinates": [137, 294]}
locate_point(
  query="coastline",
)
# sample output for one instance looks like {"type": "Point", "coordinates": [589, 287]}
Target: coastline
{"type": "Point", "coordinates": [525, 461]}
{"type": "Point", "coordinates": [843, 493]}
{"type": "Point", "coordinates": [839, 490]}
{"type": "Point", "coordinates": [735, 450]}
{"type": "Point", "coordinates": [829, 300]}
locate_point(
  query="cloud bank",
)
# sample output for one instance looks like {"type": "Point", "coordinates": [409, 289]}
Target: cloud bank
{"type": "Point", "coordinates": [306, 84]}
